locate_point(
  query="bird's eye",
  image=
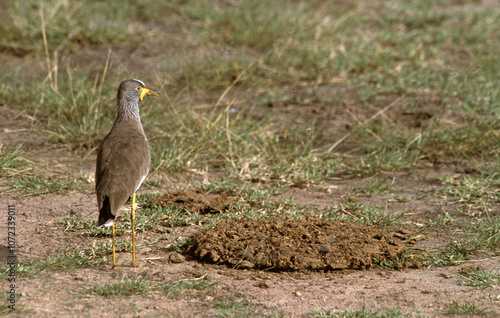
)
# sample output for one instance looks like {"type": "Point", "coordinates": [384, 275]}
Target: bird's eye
{"type": "Point", "coordinates": [138, 88]}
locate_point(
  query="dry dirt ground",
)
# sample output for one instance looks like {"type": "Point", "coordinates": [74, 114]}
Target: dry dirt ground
{"type": "Point", "coordinates": [287, 268]}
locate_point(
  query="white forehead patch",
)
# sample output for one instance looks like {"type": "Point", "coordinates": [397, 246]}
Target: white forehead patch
{"type": "Point", "coordinates": [142, 83]}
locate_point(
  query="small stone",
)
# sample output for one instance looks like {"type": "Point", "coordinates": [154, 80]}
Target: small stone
{"type": "Point", "coordinates": [261, 284]}
{"type": "Point", "coordinates": [175, 257]}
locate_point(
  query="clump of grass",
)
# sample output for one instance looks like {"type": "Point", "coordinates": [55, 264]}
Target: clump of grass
{"type": "Point", "coordinates": [12, 163]}
{"type": "Point", "coordinates": [39, 184]}
{"type": "Point", "coordinates": [89, 227]}
{"type": "Point", "coordinates": [441, 257]}
{"type": "Point", "coordinates": [477, 193]}
{"type": "Point", "coordinates": [363, 312]}
{"type": "Point", "coordinates": [374, 187]}
{"type": "Point", "coordinates": [173, 216]}
{"type": "Point", "coordinates": [464, 308]}
{"type": "Point", "coordinates": [125, 287]}
{"type": "Point", "coordinates": [65, 258]}
{"type": "Point", "coordinates": [106, 248]}
{"type": "Point", "coordinates": [69, 257]}
{"type": "Point", "coordinates": [143, 285]}
{"type": "Point", "coordinates": [85, 226]}
{"type": "Point", "coordinates": [174, 288]}
{"type": "Point", "coordinates": [480, 278]}
{"type": "Point", "coordinates": [481, 236]}
{"type": "Point", "coordinates": [230, 307]}
{"type": "Point", "coordinates": [350, 211]}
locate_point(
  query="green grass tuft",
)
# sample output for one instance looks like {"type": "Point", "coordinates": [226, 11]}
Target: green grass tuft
{"type": "Point", "coordinates": [12, 163]}
{"type": "Point", "coordinates": [230, 307]}
{"type": "Point", "coordinates": [39, 184]}
{"type": "Point", "coordinates": [143, 285]}
{"type": "Point", "coordinates": [481, 279]}
{"type": "Point", "coordinates": [464, 308]}
{"type": "Point", "coordinates": [363, 312]}
{"type": "Point", "coordinates": [64, 259]}
{"type": "Point", "coordinates": [174, 288]}
{"type": "Point", "coordinates": [125, 287]}
{"type": "Point", "coordinates": [355, 212]}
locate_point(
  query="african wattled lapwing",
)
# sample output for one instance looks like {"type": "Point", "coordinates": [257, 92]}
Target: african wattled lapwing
{"type": "Point", "coordinates": [123, 160]}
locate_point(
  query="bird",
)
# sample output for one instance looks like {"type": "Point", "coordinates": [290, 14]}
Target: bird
{"type": "Point", "coordinates": [123, 159]}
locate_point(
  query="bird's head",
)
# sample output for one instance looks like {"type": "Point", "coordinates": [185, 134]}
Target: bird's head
{"type": "Point", "coordinates": [133, 90]}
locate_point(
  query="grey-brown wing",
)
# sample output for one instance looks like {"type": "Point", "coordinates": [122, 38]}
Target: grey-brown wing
{"type": "Point", "coordinates": [122, 165]}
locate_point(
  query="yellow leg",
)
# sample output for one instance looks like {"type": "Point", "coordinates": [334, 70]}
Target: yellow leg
{"type": "Point", "coordinates": [114, 249]}
{"type": "Point", "coordinates": [133, 231]}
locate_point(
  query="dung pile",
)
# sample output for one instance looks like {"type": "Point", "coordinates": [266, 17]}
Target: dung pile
{"type": "Point", "coordinates": [311, 244]}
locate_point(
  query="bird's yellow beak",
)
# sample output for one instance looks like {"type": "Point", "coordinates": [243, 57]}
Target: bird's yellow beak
{"type": "Point", "coordinates": [148, 92]}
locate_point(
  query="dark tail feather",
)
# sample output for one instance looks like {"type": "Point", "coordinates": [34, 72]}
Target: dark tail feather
{"type": "Point", "coordinates": [105, 213]}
